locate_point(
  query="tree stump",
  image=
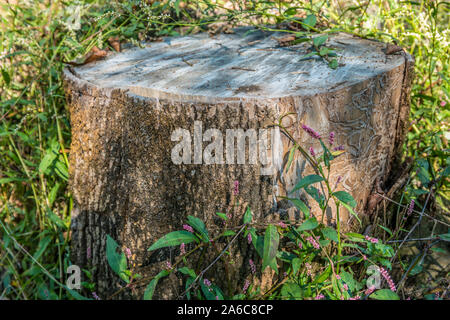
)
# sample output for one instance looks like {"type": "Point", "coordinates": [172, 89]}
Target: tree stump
{"type": "Point", "coordinates": [133, 179]}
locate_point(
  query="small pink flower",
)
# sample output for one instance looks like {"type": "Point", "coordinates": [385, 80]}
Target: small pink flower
{"type": "Point", "coordinates": [128, 252]}
{"type": "Point", "coordinates": [188, 228]}
{"type": "Point", "coordinates": [345, 286]}
{"type": "Point", "coordinates": [249, 238]}
{"type": "Point", "coordinates": [236, 188]}
{"type": "Point", "coordinates": [311, 151]}
{"type": "Point", "coordinates": [338, 277]}
{"type": "Point", "coordinates": [369, 290]}
{"type": "Point", "coordinates": [319, 297]}
{"type": "Point", "coordinates": [411, 207]}
{"type": "Point", "coordinates": [338, 148]}
{"type": "Point", "coordinates": [331, 138]}
{"type": "Point", "coordinates": [311, 131]}
{"type": "Point", "coordinates": [246, 285]}
{"type": "Point", "coordinates": [252, 266]}
{"type": "Point", "coordinates": [182, 249]}
{"type": "Point", "coordinates": [313, 242]}
{"type": "Point", "coordinates": [364, 257]}
{"type": "Point", "coordinates": [443, 103]}
{"type": "Point", "coordinates": [300, 245]}
{"type": "Point", "coordinates": [355, 298]}
{"type": "Point", "coordinates": [169, 265]}
{"type": "Point", "coordinates": [96, 297]}
{"type": "Point", "coordinates": [282, 224]}
{"type": "Point", "coordinates": [373, 240]}
{"type": "Point", "coordinates": [308, 268]}
{"type": "Point", "coordinates": [207, 282]}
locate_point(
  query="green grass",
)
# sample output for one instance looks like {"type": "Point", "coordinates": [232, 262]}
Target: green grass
{"type": "Point", "coordinates": [38, 37]}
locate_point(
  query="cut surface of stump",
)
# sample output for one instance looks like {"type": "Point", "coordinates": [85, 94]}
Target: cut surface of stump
{"type": "Point", "coordinates": [130, 111]}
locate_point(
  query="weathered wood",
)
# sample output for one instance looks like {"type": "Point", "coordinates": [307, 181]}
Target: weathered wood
{"type": "Point", "coordinates": [124, 110]}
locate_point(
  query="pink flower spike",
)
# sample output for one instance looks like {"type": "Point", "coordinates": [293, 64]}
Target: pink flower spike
{"type": "Point", "coordinates": [331, 138]}
{"type": "Point", "coordinates": [236, 188]}
{"type": "Point", "coordinates": [249, 238]}
{"type": "Point", "coordinates": [388, 278]}
{"type": "Point", "coordinates": [128, 252]}
{"type": "Point", "coordinates": [411, 207]}
{"type": "Point", "coordinates": [252, 266]}
{"type": "Point", "coordinates": [319, 297]}
{"type": "Point", "coordinates": [369, 290]}
{"type": "Point", "coordinates": [345, 286]}
{"type": "Point", "coordinates": [373, 240]}
{"type": "Point", "coordinates": [443, 103]}
{"type": "Point", "coordinates": [311, 131]}
{"type": "Point", "coordinates": [246, 285]}
{"type": "Point", "coordinates": [96, 297]}
{"type": "Point", "coordinates": [182, 249]}
{"type": "Point", "coordinates": [338, 148]}
{"type": "Point", "coordinates": [311, 151]}
{"type": "Point", "coordinates": [188, 228]}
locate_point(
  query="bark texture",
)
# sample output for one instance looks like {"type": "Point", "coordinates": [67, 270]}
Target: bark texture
{"type": "Point", "coordinates": [124, 110]}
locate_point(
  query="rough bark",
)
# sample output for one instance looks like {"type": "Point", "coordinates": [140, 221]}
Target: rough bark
{"type": "Point", "coordinates": [125, 108]}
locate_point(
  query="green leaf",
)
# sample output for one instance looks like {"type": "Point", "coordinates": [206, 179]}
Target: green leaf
{"type": "Point", "coordinates": [320, 40]}
{"type": "Point", "coordinates": [355, 236]}
{"type": "Point", "coordinates": [333, 64]}
{"type": "Point", "coordinates": [445, 236]}
{"type": "Point", "coordinates": [353, 213]}
{"type": "Point", "coordinates": [309, 224]}
{"type": "Point", "coordinates": [323, 276]}
{"type": "Point", "coordinates": [306, 181]}
{"type": "Point", "coordinates": [299, 204]}
{"type": "Point", "coordinates": [350, 281]}
{"type": "Point", "coordinates": [291, 291]}
{"type": "Point", "coordinates": [47, 160]}
{"type": "Point", "coordinates": [117, 261]}
{"type": "Point", "coordinates": [385, 229]}
{"type": "Point", "coordinates": [291, 157]}
{"type": "Point", "coordinates": [6, 77]}
{"type": "Point", "coordinates": [290, 11]}
{"type": "Point", "coordinates": [187, 271]}
{"type": "Point", "coordinates": [43, 244]}
{"type": "Point", "coordinates": [310, 20]}
{"type": "Point", "coordinates": [228, 233]}
{"type": "Point", "coordinates": [76, 295]}
{"type": "Point", "coordinates": [174, 238]}
{"type": "Point", "coordinates": [296, 264]}
{"type": "Point", "coordinates": [198, 225]}
{"type": "Point", "coordinates": [258, 242]}
{"type": "Point", "coordinates": [330, 233]}
{"type": "Point", "coordinates": [248, 216]}
{"type": "Point", "coordinates": [345, 197]}
{"type": "Point", "coordinates": [271, 242]}
{"type": "Point", "coordinates": [384, 294]}
{"type": "Point", "coordinates": [61, 169]}
{"type": "Point", "coordinates": [212, 292]}
{"type": "Point", "coordinates": [222, 215]}
{"type": "Point", "coordinates": [150, 290]}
